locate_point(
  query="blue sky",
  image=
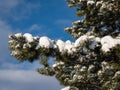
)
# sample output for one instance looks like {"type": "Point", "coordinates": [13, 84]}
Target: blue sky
{"type": "Point", "coordinates": [38, 17]}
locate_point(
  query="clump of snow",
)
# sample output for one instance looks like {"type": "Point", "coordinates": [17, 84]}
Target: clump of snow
{"type": "Point", "coordinates": [70, 88]}
{"type": "Point", "coordinates": [57, 64]}
{"type": "Point", "coordinates": [67, 29]}
{"type": "Point", "coordinates": [117, 75]}
{"type": "Point", "coordinates": [26, 45]}
{"type": "Point", "coordinates": [106, 48]}
{"type": "Point", "coordinates": [69, 47]}
{"type": "Point", "coordinates": [18, 35]}
{"type": "Point", "coordinates": [36, 38]}
{"type": "Point", "coordinates": [14, 53]}
{"type": "Point", "coordinates": [83, 69]}
{"type": "Point", "coordinates": [97, 39]}
{"type": "Point", "coordinates": [81, 40]}
{"type": "Point", "coordinates": [68, 42]}
{"type": "Point", "coordinates": [90, 2]}
{"type": "Point", "coordinates": [108, 42]}
{"type": "Point", "coordinates": [28, 37]}
{"type": "Point", "coordinates": [17, 46]}
{"type": "Point", "coordinates": [98, 3]}
{"type": "Point", "coordinates": [66, 88]}
{"type": "Point", "coordinates": [104, 6]}
{"type": "Point", "coordinates": [91, 37]}
{"type": "Point", "coordinates": [45, 42]}
{"type": "Point", "coordinates": [76, 22]}
{"type": "Point", "coordinates": [60, 45]}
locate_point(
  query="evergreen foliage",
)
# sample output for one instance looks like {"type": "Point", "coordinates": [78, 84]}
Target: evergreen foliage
{"type": "Point", "coordinates": [92, 62]}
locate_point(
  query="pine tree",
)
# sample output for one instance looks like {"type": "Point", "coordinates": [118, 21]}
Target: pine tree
{"type": "Point", "coordinates": [92, 62]}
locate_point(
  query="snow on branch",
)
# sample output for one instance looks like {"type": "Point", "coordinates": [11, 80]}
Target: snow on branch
{"type": "Point", "coordinates": [28, 47]}
{"type": "Point", "coordinates": [70, 88]}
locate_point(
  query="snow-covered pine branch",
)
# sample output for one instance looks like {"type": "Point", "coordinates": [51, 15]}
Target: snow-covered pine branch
{"type": "Point", "coordinates": [92, 61]}
{"type": "Point", "coordinates": [22, 45]}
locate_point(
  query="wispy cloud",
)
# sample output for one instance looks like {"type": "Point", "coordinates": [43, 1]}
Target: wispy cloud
{"type": "Point", "coordinates": [5, 30]}
{"type": "Point", "coordinates": [63, 22]}
{"type": "Point", "coordinates": [7, 5]}
{"type": "Point", "coordinates": [23, 80]}
{"type": "Point", "coordinates": [24, 65]}
{"type": "Point", "coordinates": [17, 9]}
{"type": "Point", "coordinates": [35, 30]}
{"type": "Point", "coordinates": [25, 9]}
{"type": "Point", "coordinates": [34, 27]}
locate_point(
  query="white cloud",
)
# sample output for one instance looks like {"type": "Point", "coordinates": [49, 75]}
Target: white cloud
{"type": "Point", "coordinates": [9, 65]}
{"type": "Point", "coordinates": [20, 76]}
{"type": "Point", "coordinates": [23, 80]}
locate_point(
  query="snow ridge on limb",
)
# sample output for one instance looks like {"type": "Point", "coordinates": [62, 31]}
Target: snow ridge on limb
{"type": "Point", "coordinates": [28, 47]}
